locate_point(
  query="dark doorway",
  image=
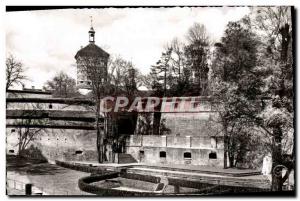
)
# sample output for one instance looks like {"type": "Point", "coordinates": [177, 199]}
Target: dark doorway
{"type": "Point", "coordinates": [212, 155]}
{"type": "Point", "coordinates": [162, 154]}
{"type": "Point", "coordinates": [126, 124]}
{"type": "Point", "coordinates": [187, 155]}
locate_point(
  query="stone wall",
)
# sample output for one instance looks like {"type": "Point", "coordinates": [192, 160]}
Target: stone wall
{"type": "Point", "coordinates": [192, 124]}
{"type": "Point", "coordinates": [45, 106]}
{"type": "Point", "coordinates": [67, 132]}
{"type": "Point", "coordinates": [27, 94]}
{"type": "Point", "coordinates": [176, 150]}
{"type": "Point", "coordinates": [58, 144]}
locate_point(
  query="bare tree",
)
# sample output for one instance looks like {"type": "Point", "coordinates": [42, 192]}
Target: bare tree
{"type": "Point", "coordinates": [123, 77]}
{"type": "Point", "coordinates": [197, 33]}
{"type": "Point", "coordinates": [14, 72]}
{"type": "Point", "coordinates": [178, 61]}
{"type": "Point", "coordinates": [197, 53]}
{"type": "Point", "coordinates": [62, 85]}
{"type": "Point", "coordinates": [29, 127]}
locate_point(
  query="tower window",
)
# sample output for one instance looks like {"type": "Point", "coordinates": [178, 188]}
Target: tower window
{"type": "Point", "coordinates": [162, 154]}
{"type": "Point", "coordinates": [50, 106]}
{"type": "Point", "coordinates": [176, 105]}
{"type": "Point", "coordinates": [187, 155]}
{"type": "Point", "coordinates": [212, 155]}
{"type": "Point", "coordinates": [13, 130]}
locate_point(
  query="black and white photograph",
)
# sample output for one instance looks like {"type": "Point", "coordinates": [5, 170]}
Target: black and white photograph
{"type": "Point", "coordinates": [150, 101]}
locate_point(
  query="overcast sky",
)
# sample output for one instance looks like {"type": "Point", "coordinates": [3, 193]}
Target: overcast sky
{"type": "Point", "coordinates": [47, 41]}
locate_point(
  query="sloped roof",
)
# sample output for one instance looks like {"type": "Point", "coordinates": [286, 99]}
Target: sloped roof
{"type": "Point", "coordinates": [91, 49]}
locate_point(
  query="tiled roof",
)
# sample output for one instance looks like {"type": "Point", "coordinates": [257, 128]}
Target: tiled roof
{"type": "Point", "coordinates": [90, 50]}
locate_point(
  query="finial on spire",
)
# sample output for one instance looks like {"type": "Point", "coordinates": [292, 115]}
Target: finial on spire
{"type": "Point", "coordinates": [91, 21]}
{"type": "Point", "coordinates": [91, 32]}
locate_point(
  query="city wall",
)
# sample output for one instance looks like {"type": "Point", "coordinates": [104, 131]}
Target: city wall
{"type": "Point", "coordinates": [57, 144]}
{"type": "Point", "coordinates": [176, 150]}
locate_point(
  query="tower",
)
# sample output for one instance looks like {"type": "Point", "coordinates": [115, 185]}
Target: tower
{"type": "Point", "coordinates": [95, 57]}
{"type": "Point", "coordinates": [92, 33]}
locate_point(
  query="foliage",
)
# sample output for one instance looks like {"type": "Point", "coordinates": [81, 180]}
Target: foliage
{"type": "Point", "coordinates": [161, 74]}
{"type": "Point", "coordinates": [253, 78]}
{"type": "Point", "coordinates": [277, 118]}
{"type": "Point", "coordinates": [144, 124]}
{"type": "Point", "coordinates": [236, 85]}
{"type": "Point", "coordinates": [123, 77]}
{"type": "Point", "coordinates": [197, 55]}
{"type": "Point", "coordinates": [182, 69]}
{"type": "Point", "coordinates": [62, 86]}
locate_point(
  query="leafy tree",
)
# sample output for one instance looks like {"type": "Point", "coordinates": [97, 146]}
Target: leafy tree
{"type": "Point", "coordinates": [144, 124]}
{"type": "Point", "coordinates": [257, 91]}
{"type": "Point", "coordinates": [235, 85]}
{"type": "Point", "coordinates": [197, 54]}
{"type": "Point", "coordinates": [277, 117]}
{"type": "Point", "coordinates": [162, 79]}
{"type": "Point", "coordinates": [163, 129]}
{"type": "Point", "coordinates": [14, 72]}
{"type": "Point", "coordinates": [161, 73]}
{"type": "Point", "coordinates": [62, 86]}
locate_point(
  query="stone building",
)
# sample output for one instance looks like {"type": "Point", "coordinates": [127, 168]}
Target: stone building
{"type": "Point", "coordinates": [193, 136]}
{"type": "Point", "coordinates": [67, 129]}
{"type": "Point", "coordinates": [88, 56]}
{"type": "Point", "coordinates": [65, 126]}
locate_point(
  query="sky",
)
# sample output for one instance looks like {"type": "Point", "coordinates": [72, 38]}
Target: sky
{"type": "Point", "coordinates": [46, 41]}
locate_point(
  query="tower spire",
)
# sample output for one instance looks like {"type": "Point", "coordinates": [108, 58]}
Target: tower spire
{"type": "Point", "coordinates": [91, 21]}
{"type": "Point", "coordinates": [92, 32]}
